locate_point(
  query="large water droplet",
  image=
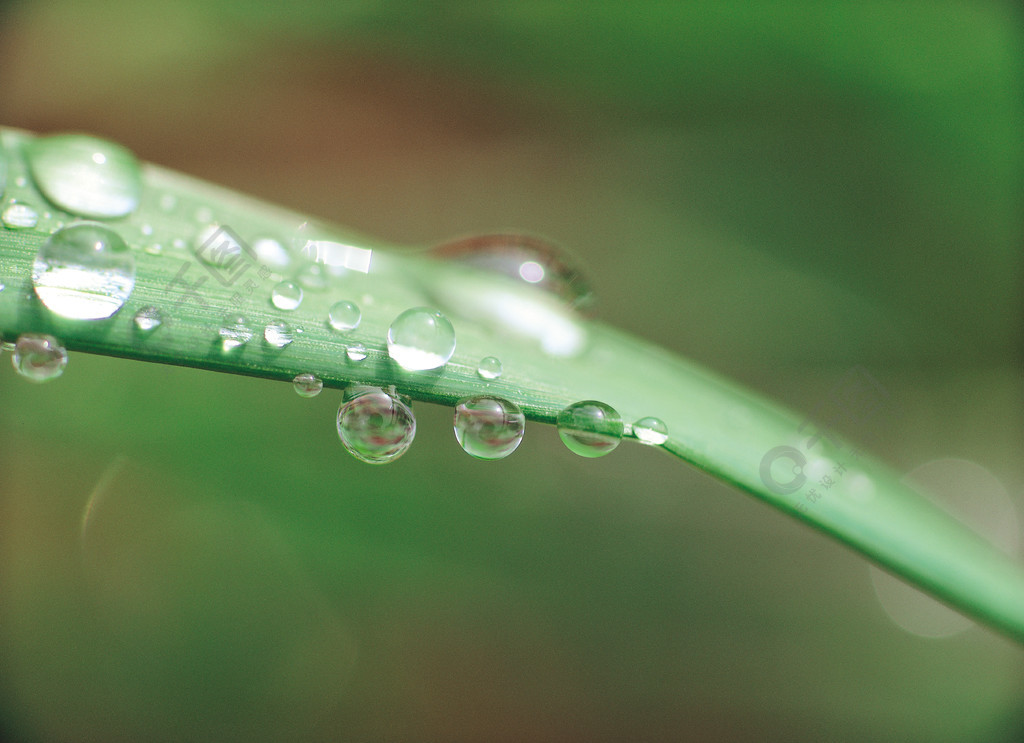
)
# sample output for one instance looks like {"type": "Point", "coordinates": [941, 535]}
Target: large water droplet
{"type": "Point", "coordinates": [84, 272]}
{"type": "Point", "coordinates": [234, 332]}
{"type": "Point", "coordinates": [590, 428]}
{"type": "Point", "coordinates": [148, 319]}
{"type": "Point", "coordinates": [489, 367]}
{"type": "Point", "coordinates": [344, 316]}
{"type": "Point", "coordinates": [39, 357]}
{"type": "Point", "coordinates": [375, 427]}
{"type": "Point", "coordinates": [651, 431]}
{"type": "Point", "coordinates": [86, 175]}
{"type": "Point", "coordinates": [421, 338]}
{"type": "Point", "coordinates": [278, 334]}
{"type": "Point", "coordinates": [19, 216]}
{"type": "Point", "coordinates": [307, 385]}
{"type": "Point", "coordinates": [524, 258]}
{"type": "Point", "coordinates": [489, 427]}
{"type": "Point", "coordinates": [286, 296]}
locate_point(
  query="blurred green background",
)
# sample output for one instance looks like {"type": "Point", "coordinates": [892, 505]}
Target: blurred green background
{"type": "Point", "coordinates": [780, 191]}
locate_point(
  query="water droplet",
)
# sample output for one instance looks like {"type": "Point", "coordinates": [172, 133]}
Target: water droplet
{"type": "Point", "coordinates": [278, 334]}
{"type": "Point", "coordinates": [421, 338]}
{"type": "Point", "coordinates": [86, 175]}
{"type": "Point", "coordinates": [234, 332]}
{"type": "Point", "coordinates": [38, 357]}
{"type": "Point", "coordinates": [651, 431]}
{"type": "Point", "coordinates": [344, 316]}
{"type": "Point", "coordinates": [148, 319]}
{"type": "Point", "coordinates": [272, 253]}
{"type": "Point", "coordinates": [489, 367]}
{"type": "Point", "coordinates": [523, 258]}
{"type": "Point", "coordinates": [590, 428]}
{"type": "Point", "coordinates": [146, 230]}
{"type": "Point", "coordinates": [375, 427]}
{"type": "Point", "coordinates": [219, 247]}
{"type": "Point", "coordinates": [84, 272]}
{"type": "Point", "coordinates": [307, 385]}
{"type": "Point", "coordinates": [19, 216]}
{"type": "Point", "coordinates": [21, 181]}
{"type": "Point", "coordinates": [154, 249]}
{"type": "Point", "coordinates": [489, 427]}
{"type": "Point", "coordinates": [312, 277]}
{"type": "Point", "coordinates": [286, 296]}
{"type": "Point", "coordinates": [356, 352]}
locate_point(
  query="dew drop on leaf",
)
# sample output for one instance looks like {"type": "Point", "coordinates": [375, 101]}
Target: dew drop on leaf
{"type": "Point", "coordinates": [651, 431]}
{"type": "Point", "coordinates": [39, 357]}
{"type": "Point", "coordinates": [344, 316]}
{"type": "Point", "coordinates": [278, 334]}
{"type": "Point", "coordinates": [307, 385]}
{"type": "Point", "coordinates": [421, 338]}
{"type": "Point", "coordinates": [84, 272]}
{"type": "Point", "coordinates": [86, 175]}
{"type": "Point", "coordinates": [590, 428]}
{"type": "Point", "coordinates": [489, 367]}
{"type": "Point", "coordinates": [234, 332]}
{"type": "Point", "coordinates": [356, 352]}
{"type": "Point", "coordinates": [374, 426]}
{"type": "Point", "coordinates": [18, 216]}
{"type": "Point", "coordinates": [286, 296]}
{"type": "Point", "coordinates": [272, 253]}
{"type": "Point", "coordinates": [488, 427]}
{"type": "Point", "coordinates": [148, 319]}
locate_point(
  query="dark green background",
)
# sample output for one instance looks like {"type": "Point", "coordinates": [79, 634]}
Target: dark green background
{"type": "Point", "coordinates": [781, 191]}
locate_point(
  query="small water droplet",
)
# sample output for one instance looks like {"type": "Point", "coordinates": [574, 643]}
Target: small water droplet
{"type": "Point", "coordinates": [84, 272]}
{"type": "Point", "coordinates": [39, 357]}
{"type": "Point", "coordinates": [344, 316]}
{"type": "Point", "coordinates": [167, 202]}
{"type": "Point", "coordinates": [19, 216]}
{"type": "Point", "coordinates": [146, 230]}
{"type": "Point", "coordinates": [590, 428]}
{"type": "Point", "coordinates": [375, 427]}
{"type": "Point", "coordinates": [651, 431]}
{"type": "Point", "coordinates": [21, 181]}
{"type": "Point", "coordinates": [148, 319]}
{"type": "Point", "coordinates": [278, 334]}
{"type": "Point", "coordinates": [234, 332]}
{"type": "Point", "coordinates": [489, 427]}
{"type": "Point", "coordinates": [421, 338]}
{"type": "Point", "coordinates": [154, 249]}
{"type": "Point", "coordinates": [86, 175]}
{"type": "Point", "coordinates": [219, 247]}
{"type": "Point", "coordinates": [489, 367]}
{"type": "Point", "coordinates": [272, 253]}
{"type": "Point", "coordinates": [356, 352]}
{"type": "Point", "coordinates": [286, 296]}
{"type": "Point", "coordinates": [307, 385]}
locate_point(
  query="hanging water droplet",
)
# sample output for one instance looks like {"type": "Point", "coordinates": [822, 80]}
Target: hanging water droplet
{"type": "Point", "coordinates": [278, 334]}
{"type": "Point", "coordinates": [272, 254]}
{"type": "Point", "coordinates": [356, 352]}
{"type": "Point", "coordinates": [489, 367]}
{"type": "Point", "coordinates": [590, 428]}
{"type": "Point", "coordinates": [39, 357]}
{"type": "Point", "coordinates": [86, 175]}
{"type": "Point", "coordinates": [489, 427]}
{"type": "Point", "coordinates": [651, 431]}
{"type": "Point", "coordinates": [234, 332]}
{"type": "Point", "coordinates": [148, 319]}
{"type": "Point", "coordinates": [18, 216]}
{"type": "Point", "coordinates": [375, 427]}
{"type": "Point", "coordinates": [523, 258]}
{"type": "Point", "coordinates": [344, 316]}
{"type": "Point", "coordinates": [307, 385]}
{"type": "Point", "coordinates": [84, 272]}
{"type": "Point", "coordinates": [286, 296]}
{"type": "Point", "coordinates": [421, 338]}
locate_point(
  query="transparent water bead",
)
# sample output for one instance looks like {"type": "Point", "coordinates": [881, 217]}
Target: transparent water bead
{"type": "Point", "coordinates": [286, 296]}
{"type": "Point", "coordinates": [17, 216]}
{"type": "Point", "coordinates": [278, 334]}
{"type": "Point", "coordinates": [86, 175]}
{"type": "Point", "coordinates": [590, 428]}
{"type": "Point", "coordinates": [651, 431]}
{"type": "Point", "coordinates": [219, 247]}
{"type": "Point", "coordinates": [524, 258]}
{"type": "Point", "coordinates": [272, 253]}
{"type": "Point", "coordinates": [356, 352]}
{"type": "Point", "coordinates": [234, 332]}
{"type": "Point", "coordinates": [39, 357]}
{"type": "Point", "coordinates": [344, 316]}
{"type": "Point", "coordinates": [488, 427]}
{"type": "Point", "coordinates": [307, 385]}
{"type": "Point", "coordinates": [489, 367]}
{"type": "Point", "coordinates": [84, 272]}
{"type": "Point", "coordinates": [421, 338]}
{"type": "Point", "coordinates": [374, 426]}
{"type": "Point", "coordinates": [148, 319]}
